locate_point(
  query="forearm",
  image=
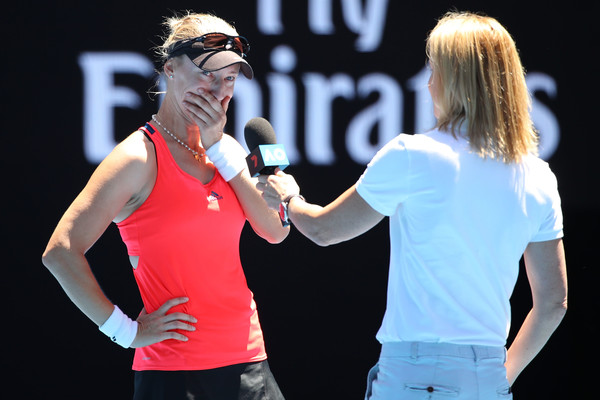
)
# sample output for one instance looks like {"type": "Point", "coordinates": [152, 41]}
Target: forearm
{"type": "Point", "coordinates": [306, 218]}
{"type": "Point", "coordinates": [264, 221]}
{"type": "Point", "coordinates": [77, 280]}
{"type": "Point", "coordinates": [547, 274]}
{"type": "Point", "coordinates": [531, 338]}
{"type": "Point", "coordinates": [345, 218]}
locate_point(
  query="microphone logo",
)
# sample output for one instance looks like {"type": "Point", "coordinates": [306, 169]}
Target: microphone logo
{"type": "Point", "coordinates": [265, 158]}
{"type": "Point", "coordinates": [276, 155]}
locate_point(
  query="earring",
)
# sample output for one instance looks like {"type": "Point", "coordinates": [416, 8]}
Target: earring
{"type": "Point", "coordinates": [171, 76]}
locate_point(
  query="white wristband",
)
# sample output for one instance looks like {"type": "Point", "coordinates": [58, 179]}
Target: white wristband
{"type": "Point", "coordinates": [228, 156]}
{"type": "Point", "coordinates": [120, 328]}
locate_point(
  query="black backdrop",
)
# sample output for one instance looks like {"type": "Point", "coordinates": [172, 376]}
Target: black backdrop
{"type": "Point", "coordinates": [320, 307]}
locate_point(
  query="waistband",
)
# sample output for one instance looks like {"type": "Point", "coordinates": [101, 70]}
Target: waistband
{"type": "Point", "coordinates": [420, 349]}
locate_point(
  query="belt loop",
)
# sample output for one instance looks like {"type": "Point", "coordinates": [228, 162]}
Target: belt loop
{"type": "Point", "coordinates": [475, 353]}
{"type": "Point", "coordinates": [414, 350]}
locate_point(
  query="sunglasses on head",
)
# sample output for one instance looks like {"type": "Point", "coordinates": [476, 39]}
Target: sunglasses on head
{"type": "Point", "coordinates": [211, 42]}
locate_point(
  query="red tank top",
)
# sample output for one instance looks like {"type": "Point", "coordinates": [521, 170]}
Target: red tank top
{"type": "Point", "coordinates": [186, 235]}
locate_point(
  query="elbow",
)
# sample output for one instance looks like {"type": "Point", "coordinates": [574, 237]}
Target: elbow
{"type": "Point", "coordinates": [562, 309]}
{"type": "Point", "coordinates": [52, 256]}
{"type": "Point", "coordinates": [49, 257]}
{"type": "Point", "coordinates": [278, 237]}
{"type": "Point", "coordinates": [48, 262]}
{"type": "Point", "coordinates": [273, 234]}
{"type": "Point", "coordinates": [562, 305]}
{"type": "Point", "coordinates": [556, 310]}
{"type": "Point", "coordinates": [322, 241]}
{"type": "Point", "coordinates": [321, 237]}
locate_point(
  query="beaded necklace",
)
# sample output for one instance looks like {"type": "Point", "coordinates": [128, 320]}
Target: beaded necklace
{"type": "Point", "coordinates": [196, 154]}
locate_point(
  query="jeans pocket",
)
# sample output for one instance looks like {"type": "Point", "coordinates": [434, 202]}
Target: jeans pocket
{"type": "Point", "coordinates": [504, 392]}
{"type": "Point", "coordinates": [434, 390]}
{"type": "Point", "coordinates": [370, 378]}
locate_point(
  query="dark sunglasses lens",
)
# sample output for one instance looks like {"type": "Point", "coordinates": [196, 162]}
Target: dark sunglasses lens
{"type": "Point", "coordinates": [241, 44]}
{"type": "Point", "coordinates": [218, 41]}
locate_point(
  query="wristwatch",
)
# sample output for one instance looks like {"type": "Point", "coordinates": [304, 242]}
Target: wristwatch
{"type": "Point", "coordinates": [283, 209]}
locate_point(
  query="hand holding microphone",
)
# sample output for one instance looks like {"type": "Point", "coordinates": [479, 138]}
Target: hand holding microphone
{"type": "Point", "coordinates": [277, 188]}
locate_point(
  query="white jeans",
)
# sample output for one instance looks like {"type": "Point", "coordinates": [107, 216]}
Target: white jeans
{"type": "Point", "coordinates": [418, 370]}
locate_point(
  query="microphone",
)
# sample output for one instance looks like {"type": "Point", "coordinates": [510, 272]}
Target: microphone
{"type": "Point", "coordinates": [266, 154]}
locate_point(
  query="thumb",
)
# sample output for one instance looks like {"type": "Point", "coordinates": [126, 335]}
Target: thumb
{"type": "Point", "coordinates": [225, 103]}
{"type": "Point", "coordinates": [143, 312]}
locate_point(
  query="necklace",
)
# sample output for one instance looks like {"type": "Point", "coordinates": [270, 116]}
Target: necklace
{"type": "Point", "coordinates": [196, 154]}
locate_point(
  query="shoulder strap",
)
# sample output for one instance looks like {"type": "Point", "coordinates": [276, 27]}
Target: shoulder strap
{"type": "Point", "coordinates": [148, 130]}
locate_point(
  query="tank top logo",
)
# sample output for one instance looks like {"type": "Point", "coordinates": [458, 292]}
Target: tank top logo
{"type": "Point", "coordinates": [214, 196]}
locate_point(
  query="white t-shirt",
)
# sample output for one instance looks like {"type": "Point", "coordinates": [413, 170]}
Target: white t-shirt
{"type": "Point", "coordinates": [459, 225]}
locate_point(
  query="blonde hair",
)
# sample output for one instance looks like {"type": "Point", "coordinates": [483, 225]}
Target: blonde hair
{"type": "Point", "coordinates": [482, 85]}
{"type": "Point", "coordinates": [190, 25]}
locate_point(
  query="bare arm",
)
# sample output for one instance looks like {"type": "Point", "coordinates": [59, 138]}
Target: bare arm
{"type": "Point", "coordinates": [345, 218]}
{"type": "Point", "coordinates": [546, 270]}
{"type": "Point", "coordinates": [264, 221]}
{"type": "Point", "coordinates": [116, 181]}
{"type": "Point", "coordinates": [209, 114]}
{"type": "Point", "coordinates": [106, 193]}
